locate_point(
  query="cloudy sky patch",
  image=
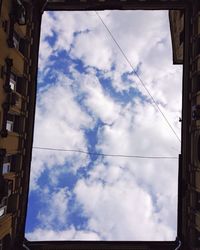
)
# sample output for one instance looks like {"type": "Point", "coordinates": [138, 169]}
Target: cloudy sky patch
{"type": "Point", "coordinates": [90, 99]}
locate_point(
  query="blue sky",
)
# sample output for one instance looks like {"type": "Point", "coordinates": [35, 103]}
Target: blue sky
{"type": "Point", "coordinates": [90, 99]}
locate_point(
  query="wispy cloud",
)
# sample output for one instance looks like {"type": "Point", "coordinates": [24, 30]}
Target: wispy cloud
{"type": "Point", "coordinates": [70, 233]}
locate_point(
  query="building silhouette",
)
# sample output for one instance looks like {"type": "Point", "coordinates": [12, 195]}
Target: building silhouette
{"type": "Point", "coordinates": [19, 43]}
{"type": "Point", "coordinates": [17, 104]}
{"type": "Point", "coordinates": [189, 183]}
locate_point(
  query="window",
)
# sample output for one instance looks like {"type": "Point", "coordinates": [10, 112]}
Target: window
{"type": "Point", "coordinates": [2, 211]}
{"type": "Point", "coordinates": [195, 83]}
{"type": "Point", "coordinates": [20, 13]}
{"type": "Point", "coordinates": [10, 188]}
{"type": "Point", "coordinates": [19, 43]}
{"type": "Point", "coordinates": [6, 167]}
{"type": "Point", "coordinates": [198, 200]}
{"type": "Point", "coordinates": [13, 81]}
{"type": "Point", "coordinates": [5, 242]}
{"type": "Point", "coordinates": [198, 46]}
{"type": "Point", "coordinates": [181, 38]}
{"type": "Point", "coordinates": [197, 243]}
{"type": "Point", "coordinates": [9, 126]}
{"type": "Point", "coordinates": [21, 85]}
{"type": "Point", "coordinates": [16, 100]}
{"type": "Point", "coordinates": [16, 40]}
{"type": "Point", "coordinates": [23, 47]}
{"type": "Point", "coordinates": [14, 123]}
{"type": "Point", "coordinates": [198, 148]}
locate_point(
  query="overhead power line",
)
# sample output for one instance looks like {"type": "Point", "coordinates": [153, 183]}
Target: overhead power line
{"type": "Point", "coordinates": [135, 72]}
{"type": "Point", "coordinates": [106, 155]}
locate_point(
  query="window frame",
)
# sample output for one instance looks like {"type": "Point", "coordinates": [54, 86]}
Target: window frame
{"type": "Point", "coordinates": [16, 40]}
{"type": "Point", "coordinates": [11, 124]}
{"type": "Point", "coordinates": [3, 208]}
{"type": "Point", "coordinates": [6, 165]}
{"type": "Point", "coordinates": [13, 81]}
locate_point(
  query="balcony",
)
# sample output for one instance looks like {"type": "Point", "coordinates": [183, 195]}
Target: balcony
{"type": "Point", "coordinates": [18, 60]}
{"type": "Point", "coordinates": [10, 143]}
{"type": "Point", "coordinates": [12, 53]}
{"type": "Point", "coordinates": [10, 177]}
{"type": "Point", "coordinates": [16, 103]}
{"type": "Point", "coordinates": [13, 203]}
{"type": "Point", "coordinates": [5, 225]}
{"type": "Point", "coordinates": [20, 29]}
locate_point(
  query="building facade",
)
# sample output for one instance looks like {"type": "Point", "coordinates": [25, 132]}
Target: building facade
{"type": "Point", "coordinates": [17, 98]}
{"type": "Point", "coordinates": [176, 20]}
{"type": "Point", "coordinates": [19, 45]}
{"type": "Point", "coordinates": [189, 214]}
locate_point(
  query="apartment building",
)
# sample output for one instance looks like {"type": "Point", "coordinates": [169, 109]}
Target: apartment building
{"type": "Point", "coordinates": [17, 95]}
{"type": "Point", "coordinates": [190, 211]}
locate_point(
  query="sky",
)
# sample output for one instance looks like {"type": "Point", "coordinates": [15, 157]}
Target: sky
{"type": "Point", "coordinates": [90, 99]}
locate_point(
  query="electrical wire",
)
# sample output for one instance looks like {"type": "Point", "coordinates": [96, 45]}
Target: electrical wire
{"type": "Point", "coordinates": [44, 5]}
{"type": "Point", "coordinates": [24, 246]}
{"type": "Point", "coordinates": [106, 155]}
{"type": "Point", "coordinates": [137, 75]}
{"type": "Point", "coordinates": [179, 245]}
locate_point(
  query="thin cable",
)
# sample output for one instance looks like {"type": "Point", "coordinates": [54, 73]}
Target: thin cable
{"type": "Point", "coordinates": [105, 155]}
{"type": "Point", "coordinates": [135, 72]}
{"type": "Point", "coordinates": [179, 245]}
{"type": "Point", "coordinates": [24, 246]}
{"type": "Point", "coordinates": [44, 6]}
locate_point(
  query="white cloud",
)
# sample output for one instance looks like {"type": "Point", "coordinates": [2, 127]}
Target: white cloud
{"type": "Point", "coordinates": [121, 210]}
{"type": "Point", "coordinates": [93, 51]}
{"type": "Point", "coordinates": [70, 233]}
{"type": "Point", "coordinates": [59, 123]}
{"type": "Point", "coordinates": [115, 185]}
{"type": "Point", "coordinates": [139, 130]}
{"type": "Point", "coordinates": [95, 98]}
{"type": "Point", "coordinates": [145, 45]}
{"type": "Point", "coordinates": [123, 199]}
{"type": "Point", "coordinates": [55, 211]}
{"type": "Point", "coordinates": [54, 25]}
{"type": "Point", "coordinates": [45, 48]}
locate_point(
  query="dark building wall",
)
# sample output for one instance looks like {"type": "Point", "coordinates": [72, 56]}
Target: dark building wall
{"type": "Point", "coordinates": [189, 56]}
{"type": "Point", "coordinates": [18, 66]}
{"type": "Point", "coordinates": [176, 18]}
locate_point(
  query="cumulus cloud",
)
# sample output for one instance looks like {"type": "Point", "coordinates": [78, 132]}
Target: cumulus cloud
{"type": "Point", "coordinates": [121, 210]}
{"type": "Point", "coordinates": [59, 123]}
{"type": "Point", "coordinates": [55, 211]}
{"type": "Point", "coordinates": [117, 183]}
{"type": "Point", "coordinates": [97, 101]}
{"type": "Point", "coordinates": [94, 100]}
